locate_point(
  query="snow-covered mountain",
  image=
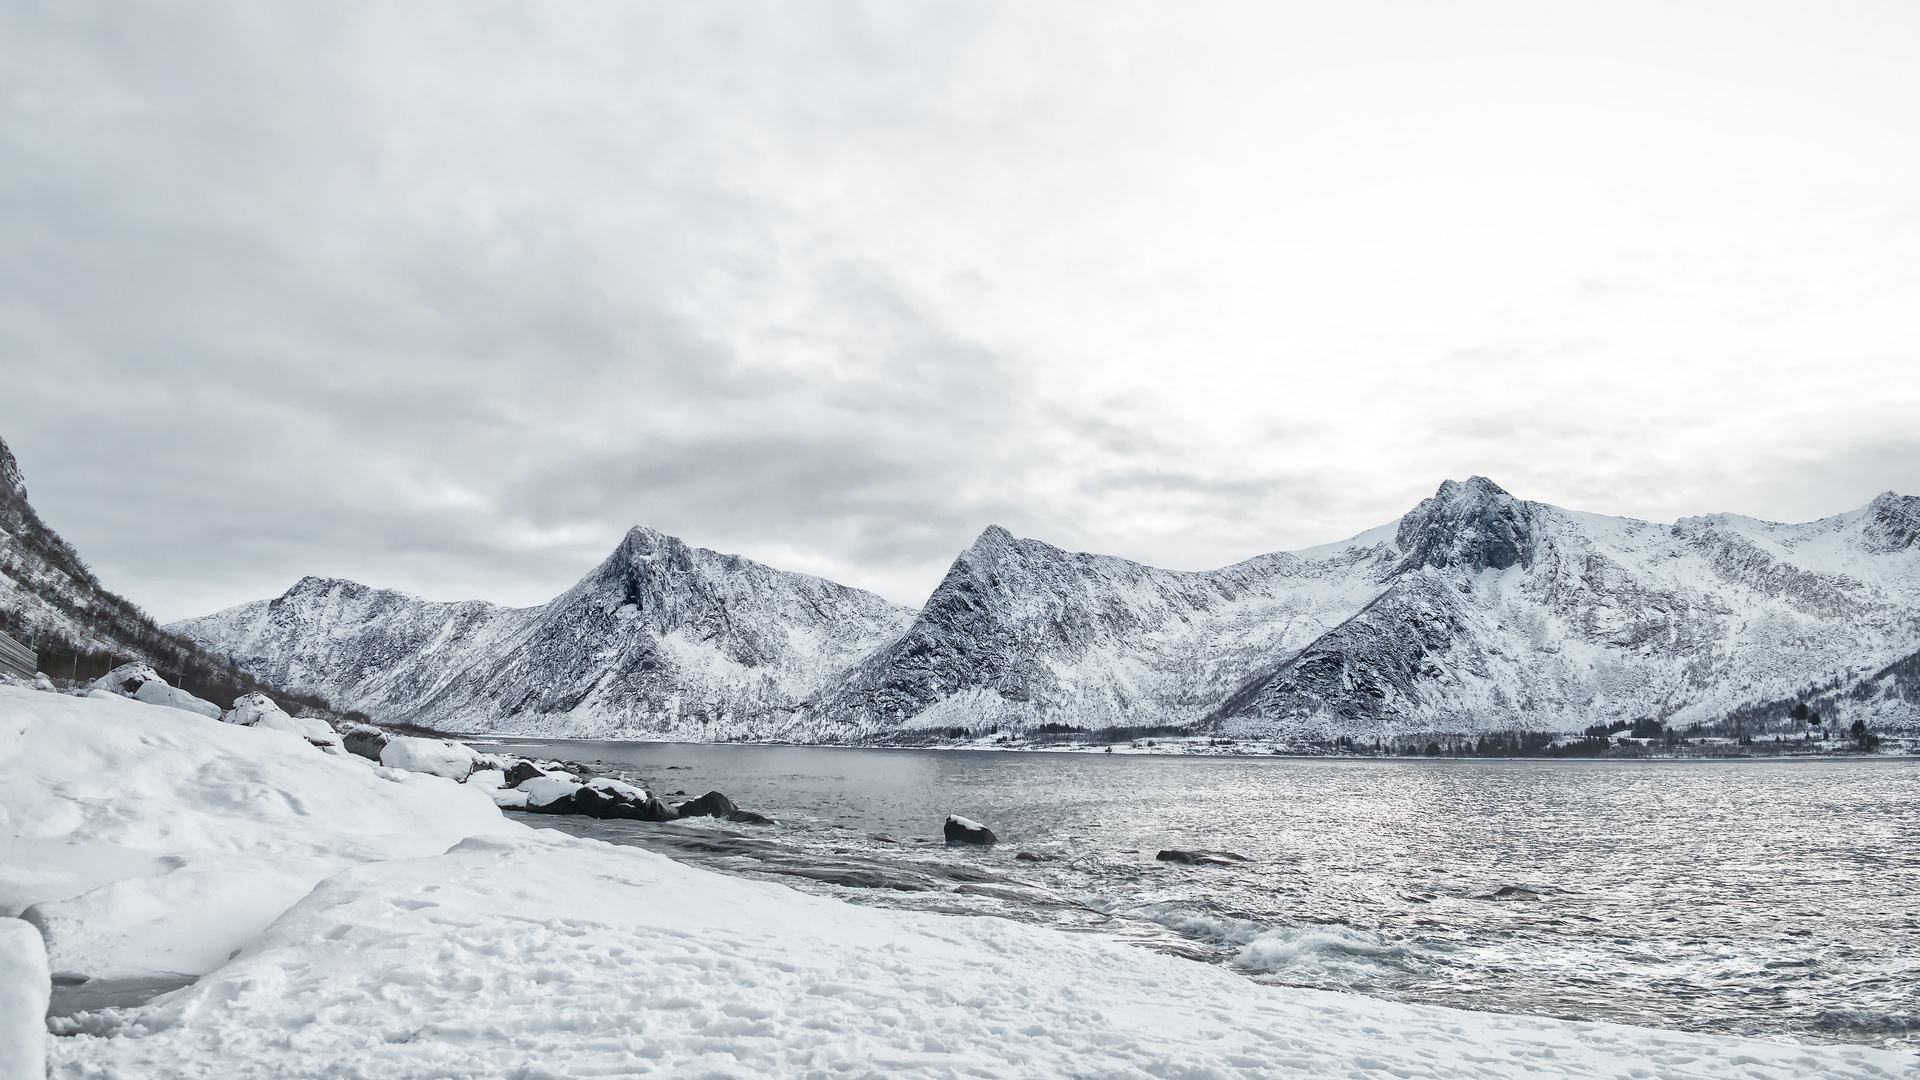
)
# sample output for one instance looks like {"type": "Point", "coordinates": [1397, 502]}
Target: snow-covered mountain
{"type": "Point", "coordinates": [1475, 612]}
{"type": "Point", "coordinates": [1502, 614]}
{"type": "Point", "coordinates": [660, 640]}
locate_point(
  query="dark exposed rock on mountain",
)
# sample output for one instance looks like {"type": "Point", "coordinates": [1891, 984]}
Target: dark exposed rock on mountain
{"type": "Point", "coordinates": [1476, 612]}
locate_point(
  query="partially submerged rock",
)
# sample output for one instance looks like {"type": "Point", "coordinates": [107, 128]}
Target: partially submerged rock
{"type": "Point", "coordinates": [967, 831]}
{"type": "Point", "coordinates": [712, 804]}
{"type": "Point", "coordinates": [607, 798]}
{"type": "Point", "coordinates": [1200, 858]}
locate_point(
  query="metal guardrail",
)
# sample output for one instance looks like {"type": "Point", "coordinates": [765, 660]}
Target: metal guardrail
{"type": "Point", "coordinates": [16, 659]}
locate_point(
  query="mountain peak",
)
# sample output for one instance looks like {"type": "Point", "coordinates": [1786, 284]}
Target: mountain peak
{"type": "Point", "coordinates": [12, 484]}
{"type": "Point", "coordinates": [993, 536]}
{"type": "Point", "coordinates": [1894, 521]}
{"type": "Point", "coordinates": [1473, 524]}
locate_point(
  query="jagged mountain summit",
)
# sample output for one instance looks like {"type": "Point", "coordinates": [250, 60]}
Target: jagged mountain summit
{"type": "Point", "coordinates": [1475, 612]}
{"type": "Point", "coordinates": [660, 640]}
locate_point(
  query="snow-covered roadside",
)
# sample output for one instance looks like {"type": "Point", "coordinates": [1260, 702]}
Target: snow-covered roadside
{"type": "Point", "coordinates": [527, 954]}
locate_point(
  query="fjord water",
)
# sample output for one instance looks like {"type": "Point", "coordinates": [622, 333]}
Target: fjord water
{"type": "Point", "coordinates": [1764, 898]}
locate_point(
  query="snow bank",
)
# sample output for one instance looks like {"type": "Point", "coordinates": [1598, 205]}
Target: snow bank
{"type": "Point", "coordinates": [259, 710]}
{"type": "Point", "coordinates": [23, 1002]}
{"type": "Point", "coordinates": [546, 956]}
{"type": "Point", "coordinates": [451, 760]}
{"type": "Point", "coordinates": [149, 843]}
{"type": "Point", "coordinates": [142, 683]}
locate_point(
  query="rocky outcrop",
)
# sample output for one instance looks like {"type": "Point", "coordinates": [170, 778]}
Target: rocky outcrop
{"type": "Point", "coordinates": [965, 832]}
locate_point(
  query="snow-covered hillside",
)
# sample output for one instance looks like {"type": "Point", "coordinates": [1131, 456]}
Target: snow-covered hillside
{"type": "Point", "coordinates": [660, 640]}
{"type": "Point", "coordinates": [1475, 612]}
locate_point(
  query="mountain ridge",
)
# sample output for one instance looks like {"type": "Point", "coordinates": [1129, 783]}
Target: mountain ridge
{"type": "Point", "coordinates": [1475, 611]}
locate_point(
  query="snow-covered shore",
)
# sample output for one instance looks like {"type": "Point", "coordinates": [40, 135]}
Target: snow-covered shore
{"type": "Point", "coordinates": [526, 954]}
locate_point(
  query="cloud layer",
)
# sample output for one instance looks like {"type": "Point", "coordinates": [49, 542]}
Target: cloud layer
{"type": "Point", "coordinates": [446, 296]}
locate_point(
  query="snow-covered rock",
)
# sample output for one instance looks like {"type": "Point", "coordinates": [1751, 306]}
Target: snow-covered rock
{"type": "Point", "coordinates": [259, 710]}
{"type": "Point", "coordinates": [455, 761]}
{"type": "Point", "coordinates": [549, 794]}
{"type": "Point", "coordinates": [961, 830]}
{"type": "Point", "coordinates": [140, 682]}
{"type": "Point", "coordinates": [24, 988]}
{"type": "Point", "coordinates": [364, 740]}
{"type": "Point", "coordinates": [150, 843]}
{"type": "Point", "coordinates": [551, 956]}
{"type": "Point", "coordinates": [1474, 612]}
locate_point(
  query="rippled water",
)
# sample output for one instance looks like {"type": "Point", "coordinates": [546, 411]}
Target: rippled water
{"type": "Point", "coordinates": [1773, 899]}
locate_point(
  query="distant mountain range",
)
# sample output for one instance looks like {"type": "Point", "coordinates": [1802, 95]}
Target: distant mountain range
{"type": "Point", "coordinates": [1475, 612]}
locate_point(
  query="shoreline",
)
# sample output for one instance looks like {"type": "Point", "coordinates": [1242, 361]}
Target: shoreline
{"type": "Point", "coordinates": [1892, 748]}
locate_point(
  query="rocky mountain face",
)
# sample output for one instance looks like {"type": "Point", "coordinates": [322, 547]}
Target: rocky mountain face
{"type": "Point", "coordinates": [1499, 614]}
{"type": "Point", "coordinates": [660, 640]}
{"type": "Point", "coordinates": [77, 628]}
{"type": "Point", "coordinates": [1475, 612]}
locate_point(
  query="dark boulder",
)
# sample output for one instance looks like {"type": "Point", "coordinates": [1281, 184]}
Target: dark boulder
{"type": "Point", "coordinates": [655, 810]}
{"type": "Point", "coordinates": [1200, 858]}
{"type": "Point", "coordinates": [964, 831]}
{"type": "Point", "coordinates": [367, 742]}
{"type": "Point", "coordinates": [712, 804]}
{"type": "Point", "coordinates": [520, 772]}
{"type": "Point", "coordinates": [748, 817]}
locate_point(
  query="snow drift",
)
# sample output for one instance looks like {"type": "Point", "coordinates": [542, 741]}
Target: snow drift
{"type": "Point", "coordinates": [149, 843]}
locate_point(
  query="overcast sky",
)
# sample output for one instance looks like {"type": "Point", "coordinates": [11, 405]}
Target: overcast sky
{"type": "Point", "coordinates": [445, 296]}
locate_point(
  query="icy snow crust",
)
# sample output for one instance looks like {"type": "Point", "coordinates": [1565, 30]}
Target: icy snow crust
{"type": "Point", "coordinates": [1475, 612]}
{"type": "Point", "coordinates": [341, 937]}
{"type": "Point", "coordinates": [548, 956]}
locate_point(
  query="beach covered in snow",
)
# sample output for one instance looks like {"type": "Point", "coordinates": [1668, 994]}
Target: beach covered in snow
{"type": "Point", "coordinates": [324, 915]}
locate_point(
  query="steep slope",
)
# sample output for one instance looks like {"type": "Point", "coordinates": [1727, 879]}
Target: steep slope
{"type": "Point", "coordinates": [375, 650]}
{"type": "Point", "coordinates": [1475, 612]}
{"type": "Point", "coordinates": [1021, 633]}
{"type": "Point", "coordinates": [661, 640]}
{"type": "Point", "coordinates": [1507, 614]}
{"type": "Point", "coordinates": [80, 630]}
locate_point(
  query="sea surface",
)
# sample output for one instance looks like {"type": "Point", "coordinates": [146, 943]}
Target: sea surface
{"type": "Point", "coordinates": [1776, 899]}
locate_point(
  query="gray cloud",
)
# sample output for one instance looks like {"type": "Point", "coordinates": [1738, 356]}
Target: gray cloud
{"type": "Point", "coordinates": [446, 297]}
